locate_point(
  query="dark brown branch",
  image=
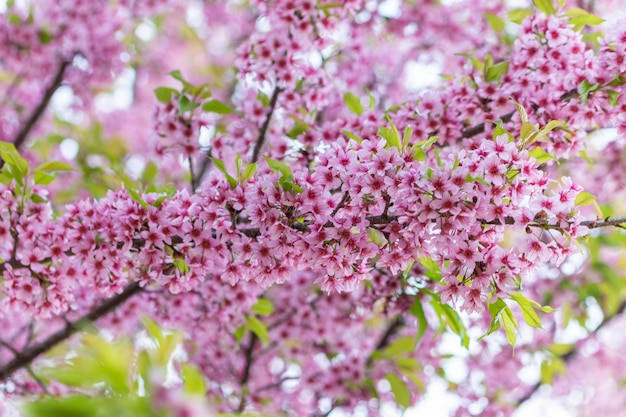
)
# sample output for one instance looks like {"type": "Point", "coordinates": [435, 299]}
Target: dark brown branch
{"type": "Point", "coordinates": [566, 357]}
{"type": "Point", "coordinates": [27, 356]}
{"type": "Point", "coordinates": [41, 107]}
{"type": "Point", "coordinates": [266, 124]}
{"type": "Point", "coordinates": [206, 163]}
{"type": "Point", "coordinates": [595, 224]}
{"type": "Point", "coordinates": [480, 128]}
{"type": "Point", "coordinates": [246, 370]}
{"type": "Point", "coordinates": [385, 339]}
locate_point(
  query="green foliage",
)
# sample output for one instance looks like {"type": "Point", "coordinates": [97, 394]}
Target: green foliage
{"type": "Point", "coordinates": [354, 103]}
{"type": "Point", "coordinates": [263, 307]}
{"type": "Point", "coordinates": [585, 88]}
{"type": "Point", "coordinates": [546, 6]}
{"type": "Point", "coordinates": [286, 181]}
{"type": "Point", "coordinates": [257, 327]}
{"type": "Point", "coordinates": [580, 17]}
{"type": "Point", "coordinates": [497, 71]}
{"type": "Point", "coordinates": [115, 378]}
{"type": "Point", "coordinates": [518, 15]}
{"type": "Point", "coordinates": [417, 310]}
{"type": "Point", "coordinates": [399, 389]}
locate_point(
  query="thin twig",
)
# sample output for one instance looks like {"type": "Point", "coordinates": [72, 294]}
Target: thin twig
{"type": "Point", "coordinates": [27, 356]}
{"type": "Point", "coordinates": [263, 132]}
{"type": "Point", "coordinates": [566, 357]}
{"type": "Point", "coordinates": [246, 370]}
{"type": "Point", "coordinates": [385, 339]}
{"type": "Point", "coordinates": [41, 107]}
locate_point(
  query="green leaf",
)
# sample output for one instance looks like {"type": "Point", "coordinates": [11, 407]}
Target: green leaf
{"type": "Point", "coordinates": [279, 167]}
{"type": "Point", "coordinates": [522, 112]}
{"type": "Point", "coordinates": [418, 312]}
{"type": "Point", "coordinates": [400, 347]}
{"type": "Point", "coordinates": [185, 105]}
{"type": "Point", "coordinates": [499, 130]}
{"type": "Point", "coordinates": [613, 96]}
{"type": "Point", "coordinates": [400, 390]}
{"type": "Point", "coordinates": [53, 166]}
{"type": "Point", "coordinates": [510, 326]}
{"type": "Point", "coordinates": [455, 324]}
{"type": "Point", "coordinates": [545, 6]}
{"type": "Point", "coordinates": [299, 127]}
{"type": "Point", "coordinates": [43, 178]}
{"type": "Point", "coordinates": [551, 368]}
{"type": "Point", "coordinates": [541, 156]}
{"type": "Point", "coordinates": [193, 380]}
{"type": "Point", "coordinates": [239, 332]}
{"type": "Point", "coordinates": [165, 94]}
{"type": "Point", "coordinates": [149, 172]}
{"type": "Point", "coordinates": [528, 309]}
{"type": "Point", "coordinates": [497, 24]}
{"type": "Point", "coordinates": [496, 72]}
{"type": "Point", "coordinates": [527, 130]}
{"type": "Point", "coordinates": [14, 162]}
{"type": "Point", "coordinates": [177, 75]}
{"type": "Point", "coordinates": [248, 172]}
{"type": "Point", "coordinates": [352, 136]}
{"type": "Point", "coordinates": [495, 310]}
{"type": "Point", "coordinates": [263, 307]}
{"type": "Point", "coordinates": [618, 81]}
{"type": "Point", "coordinates": [580, 17]}
{"type": "Point", "coordinates": [219, 164]}
{"type": "Point", "coordinates": [45, 36]}
{"type": "Point", "coordinates": [590, 20]}
{"type": "Point", "coordinates": [353, 103]}
{"type": "Point", "coordinates": [73, 406]}
{"type": "Point", "coordinates": [15, 19]}
{"type": "Point", "coordinates": [585, 88]}
{"type": "Point", "coordinates": [392, 136]}
{"type": "Point", "coordinates": [584, 198]}
{"type": "Point", "coordinates": [518, 15]}
{"type": "Point", "coordinates": [479, 65]}
{"type": "Point", "coordinates": [263, 98]}
{"type": "Point", "coordinates": [257, 327]}
{"type": "Point", "coordinates": [216, 106]}
{"type": "Point", "coordinates": [546, 129]}
{"type": "Point", "coordinates": [408, 132]}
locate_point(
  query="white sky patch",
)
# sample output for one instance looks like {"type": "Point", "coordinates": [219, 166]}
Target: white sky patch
{"type": "Point", "coordinates": [121, 97]}
{"type": "Point", "coordinates": [206, 134]}
{"type": "Point", "coordinates": [599, 139]}
{"type": "Point", "coordinates": [390, 8]}
{"type": "Point", "coordinates": [69, 148]}
{"type": "Point", "coordinates": [419, 75]}
{"type": "Point", "coordinates": [436, 402]}
{"type": "Point", "coordinates": [263, 24]}
{"type": "Point", "coordinates": [194, 15]}
{"type": "Point", "coordinates": [146, 31]}
{"type": "Point", "coordinates": [542, 407]}
{"type": "Point", "coordinates": [135, 165]}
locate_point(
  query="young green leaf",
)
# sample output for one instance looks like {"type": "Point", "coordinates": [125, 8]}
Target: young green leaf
{"type": "Point", "coordinates": [400, 390]}
{"type": "Point", "coordinates": [257, 327]}
{"type": "Point", "coordinates": [165, 94]}
{"type": "Point", "coordinates": [354, 103]}
{"type": "Point", "coordinates": [263, 307]}
{"type": "Point", "coordinates": [216, 106]}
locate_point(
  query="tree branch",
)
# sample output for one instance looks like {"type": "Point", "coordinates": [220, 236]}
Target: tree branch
{"type": "Point", "coordinates": [263, 132]}
{"type": "Point", "coordinates": [569, 355]}
{"type": "Point", "coordinates": [246, 370]}
{"type": "Point", "coordinates": [27, 356]}
{"type": "Point", "coordinates": [480, 128]}
{"type": "Point", "coordinates": [41, 107]}
{"type": "Point", "coordinates": [385, 339]}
